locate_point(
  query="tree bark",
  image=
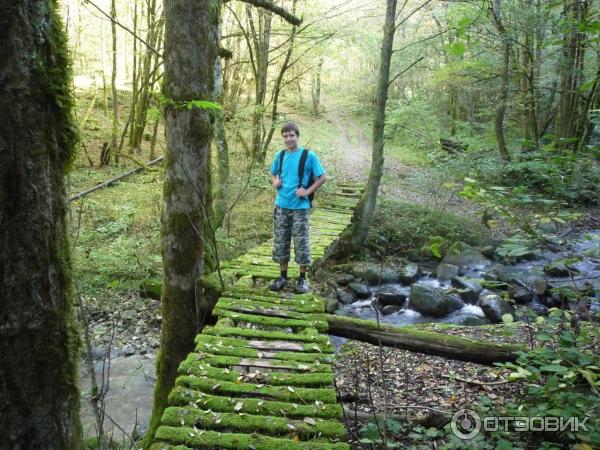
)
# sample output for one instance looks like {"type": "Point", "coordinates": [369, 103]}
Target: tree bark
{"type": "Point", "coordinates": [221, 191]}
{"type": "Point", "coordinates": [113, 85]}
{"type": "Point", "coordinates": [191, 45]}
{"type": "Point", "coordinates": [421, 341]}
{"type": "Point", "coordinates": [39, 343]}
{"type": "Point", "coordinates": [316, 89]}
{"type": "Point", "coordinates": [367, 203]}
{"type": "Point", "coordinates": [503, 93]}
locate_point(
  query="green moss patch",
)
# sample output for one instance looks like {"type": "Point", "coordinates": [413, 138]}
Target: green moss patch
{"type": "Point", "coordinates": [264, 344]}
{"type": "Point", "coordinates": [262, 334]}
{"type": "Point", "coordinates": [271, 321]}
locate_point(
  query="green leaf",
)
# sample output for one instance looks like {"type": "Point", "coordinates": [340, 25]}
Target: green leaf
{"type": "Point", "coordinates": [553, 368]}
{"type": "Point", "coordinates": [457, 48]}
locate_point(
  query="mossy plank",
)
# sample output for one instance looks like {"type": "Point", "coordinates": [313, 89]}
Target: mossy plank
{"type": "Point", "coordinates": [286, 393]}
{"type": "Point", "coordinates": [270, 311]}
{"type": "Point", "coordinates": [272, 345]}
{"type": "Point", "coordinates": [251, 423]}
{"type": "Point", "coordinates": [204, 348]}
{"type": "Point", "coordinates": [216, 440]}
{"type": "Point", "coordinates": [262, 334]}
{"type": "Point", "coordinates": [271, 321]}
{"type": "Point", "coordinates": [282, 305]}
{"type": "Point", "coordinates": [182, 396]}
{"type": "Point", "coordinates": [315, 306]}
{"type": "Point", "coordinates": [279, 364]}
{"type": "Point", "coordinates": [190, 366]}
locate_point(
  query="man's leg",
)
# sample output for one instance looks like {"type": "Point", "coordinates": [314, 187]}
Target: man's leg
{"type": "Point", "coordinates": [300, 229]}
{"type": "Point", "coordinates": [282, 236]}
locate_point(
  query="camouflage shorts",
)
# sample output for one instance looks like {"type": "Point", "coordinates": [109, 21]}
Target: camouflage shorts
{"type": "Point", "coordinates": [288, 224]}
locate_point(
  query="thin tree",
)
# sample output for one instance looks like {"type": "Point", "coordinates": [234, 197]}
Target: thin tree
{"type": "Point", "coordinates": [39, 397]}
{"type": "Point", "coordinates": [191, 44]}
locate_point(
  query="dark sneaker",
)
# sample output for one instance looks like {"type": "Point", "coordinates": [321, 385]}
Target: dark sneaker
{"type": "Point", "coordinates": [302, 286]}
{"type": "Point", "coordinates": [278, 284]}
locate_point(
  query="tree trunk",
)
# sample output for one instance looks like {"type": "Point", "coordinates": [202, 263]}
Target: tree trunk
{"type": "Point", "coordinates": [191, 44]}
{"type": "Point", "coordinates": [503, 94]}
{"type": "Point", "coordinates": [113, 84]}
{"type": "Point", "coordinates": [316, 89]}
{"type": "Point", "coordinates": [39, 397]}
{"type": "Point", "coordinates": [429, 342]}
{"type": "Point", "coordinates": [221, 191]}
{"type": "Point", "coordinates": [367, 203]}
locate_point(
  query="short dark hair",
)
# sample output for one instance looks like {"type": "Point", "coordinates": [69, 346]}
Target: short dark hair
{"type": "Point", "coordinates": [290, 126]}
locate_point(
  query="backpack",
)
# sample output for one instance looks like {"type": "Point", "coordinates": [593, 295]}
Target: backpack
{"type": "Point", "coordinates": [301, 166]}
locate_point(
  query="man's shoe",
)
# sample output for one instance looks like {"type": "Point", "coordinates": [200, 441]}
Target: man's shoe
{"type": "Point", "coordinates": [302, 286]}
{"type": "Point", "coordinates": [278, 284]}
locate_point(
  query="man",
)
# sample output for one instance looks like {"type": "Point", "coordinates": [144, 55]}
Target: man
{"type": "Point", "coordinates": [292, 205]}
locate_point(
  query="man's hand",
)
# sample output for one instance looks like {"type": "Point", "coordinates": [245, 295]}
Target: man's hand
{"type": "Point", "coordinates": [301, 192]}
{"type": "Point", "coordinates": [276, 182]}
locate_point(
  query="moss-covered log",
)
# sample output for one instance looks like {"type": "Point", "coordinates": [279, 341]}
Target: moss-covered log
{"type": "Point", "coordinates": [279, 364]}
{"type": "Point", "coordinates": [211, 439]}
{"type": "Point", "coordinates": [271, 321]}
{"type": "Point", "coordinates": [262, 334]}
{"type": "Point", "coordinates": [277, 425]}
{"type": "Point", "coordinates": [429, 342]}
{"type": "Point", "coordinates": [273, 345]}
{"type": "Point", "coordinates": [182, 395]}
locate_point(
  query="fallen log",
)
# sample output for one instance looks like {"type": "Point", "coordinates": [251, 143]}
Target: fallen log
{"type": "Point", "coordinates": [422, 341]}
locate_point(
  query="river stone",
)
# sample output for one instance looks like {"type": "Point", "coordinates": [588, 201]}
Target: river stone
{"type": "Point", "coordinates": [558, 268]}
{"type": "Point", "coordinates": [468, 288]}
{"type": "Point", "coordinates": [469, 320]}
{"type": "Point", "coordinates": [373, 273]}
{"type": "Point", "coordinates": [433, 301]}
{"type": "Point", "coordinates": [360, 289]}
{"type": "Point", "coordinates": [345, 296]}
{"type": "Point", "coordinates": [464, 256]}
{"type": "Point", "coordinates": [331, 304]}
{"type": "Point", "coordinates": [445, 272]}
{"type": "Point", "coordinates": [390, 309]}
{"type": "Point", "coordinates": [521, 294]}
{"type": "Point", "coordinates": [128, 316]}
{"type": "Point", "coordinates": [344, 278]}
{"type": "Point", "coordinates": [320, 275]}
{"type": "Point", "coordinates": [494, 307]}
{"type": "Point", "coordinates": [128, 350]}
{"type": "Point", "coordinates": [409, 273]}
{"type": "Point", "coordinates": [390, 295]}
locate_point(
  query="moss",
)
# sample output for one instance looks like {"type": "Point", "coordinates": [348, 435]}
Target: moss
{"type": "Point", "coordinates": [192, 366]}
{"type": "Point", "coordinates": [182, 396]}
{"type": "Point", "coordinates": [286, 393]}
{"type": "Point", "coordinates": [212, 439]}
{"type": "Point", "coordinates": [266, 335]}
{"type": "Point", "coordinates": [249, 423]}
{"type": "Point", "coordinates": [271, 321]}
{"type": "Point", "coordinates": [236, 342]}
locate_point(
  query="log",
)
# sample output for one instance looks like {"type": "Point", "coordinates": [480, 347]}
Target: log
{"type": "Point", "coordinates": [421, 341]}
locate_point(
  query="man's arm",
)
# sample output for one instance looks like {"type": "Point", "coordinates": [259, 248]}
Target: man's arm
{"type": "Point", "coordinates": [301, 192]}
{"type": "Point", "coordinates": [276, 181]}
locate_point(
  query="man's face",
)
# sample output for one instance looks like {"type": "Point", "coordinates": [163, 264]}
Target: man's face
{"type": "Point", "coordinates": [290, 139]}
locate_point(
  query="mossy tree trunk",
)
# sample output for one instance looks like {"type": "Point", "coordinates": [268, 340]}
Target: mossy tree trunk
{"type": "Point", "coordinates": [367, 203]}
{"type": "Point", "coordinates": [503, 93]}
{"type": "Point", "coordinates": [113, 85]}
{"type": "Point", "coordinates": [39, 397]}
{"type": "Point", "coordinates": [191, 42]}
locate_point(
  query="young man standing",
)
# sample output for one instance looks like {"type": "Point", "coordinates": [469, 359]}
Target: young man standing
{"type": "Point", "coordinates": [292, 205]}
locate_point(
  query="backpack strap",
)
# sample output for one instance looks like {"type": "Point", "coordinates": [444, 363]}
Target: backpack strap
{"type": "Point", "coordinates": [301, 166]}
{"type": "Point", "coordinates": [281, 156]}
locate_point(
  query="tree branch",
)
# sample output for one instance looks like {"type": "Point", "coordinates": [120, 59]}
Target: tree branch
{"type": "Point", "coordinates": [405, 70]}
{"type": "Point", "coordinates": [275, 9]}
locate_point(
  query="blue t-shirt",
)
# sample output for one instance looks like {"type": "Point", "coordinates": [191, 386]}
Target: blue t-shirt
{"type": "Point", "coordinates": [286, 194]}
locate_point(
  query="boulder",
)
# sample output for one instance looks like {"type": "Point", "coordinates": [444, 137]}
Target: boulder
{"type": "Point", "coordinates": [521, 294]}
{"type": "Point", "coordinates": [468, 288]}
{"type": "Point", "coordinates": [390, 309]}
{"type": "Point", "coordinates": [360, 289]}
{"type": "Point", "coordinates": [391, 295]}
{"type": "Point", "coordinates": [558, 268]}
{"type": "Point", "coordinates": [151, 288]}
{"type": "Point", "coordinates": [345, 296]}
{"type": "Point", "coordinates": [464, 256]}
{"type": "Point", "coordinates": [374, 273]}
{"type": "Point", "coordinates": [344, 278]}
{"type": "Point", "coordinates": [320, 275]}
{"type": "Point", "coordinates": [331, 305]}
{"type": "Point", "coordinates": [467, 319]}
{"type": "Point", "coordinates": [433, 301]}
{"type": "Point", "coordinates": [494, 307]}
{"type": "Point", "coordinates": [445, 272]}
{"type": "Point", "coordinates": [409, 273]}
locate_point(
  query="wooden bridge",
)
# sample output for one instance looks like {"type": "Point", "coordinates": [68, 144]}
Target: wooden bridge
{"type": "Point", "coordinates": [262, 377]}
